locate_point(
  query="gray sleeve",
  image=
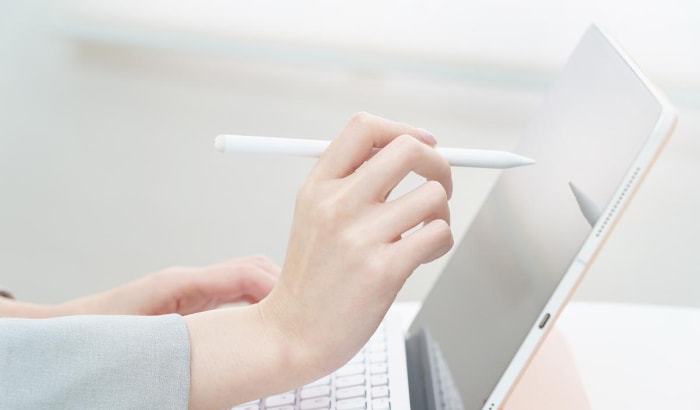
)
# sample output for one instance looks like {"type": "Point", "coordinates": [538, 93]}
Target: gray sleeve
{"type": "Point", "coordinates": [94, 362]}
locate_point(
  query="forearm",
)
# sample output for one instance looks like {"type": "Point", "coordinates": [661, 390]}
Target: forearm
{"type": "Point", "coordinates": [16, 309]}
{"type": "Point", "coordinates": [87, 305]}
{"type": "Point", "coordinates": [237, 355]}
{"type": "Point", "coordinates": [182, 290]}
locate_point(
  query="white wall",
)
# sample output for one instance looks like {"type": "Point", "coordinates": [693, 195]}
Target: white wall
{"type": "Point", "coordinates": [107, 171]}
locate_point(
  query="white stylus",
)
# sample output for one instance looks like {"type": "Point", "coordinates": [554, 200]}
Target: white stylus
{"type": "Point", "coordinates": [476, 158]}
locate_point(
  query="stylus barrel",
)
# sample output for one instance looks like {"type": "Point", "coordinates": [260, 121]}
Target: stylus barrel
{"type": "Point", "coordinates": [459, 157]}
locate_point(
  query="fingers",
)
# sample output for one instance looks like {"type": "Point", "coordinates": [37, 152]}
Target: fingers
{"type": "Point", "coordinates": [245, 279]}
{"type": "Point", "coordinates": [404, 149]}
{"type": "Point", "coordinates": [401, 156]}
{"type": "Point", "coordinates": [255, 288]}
{"type": "Point", "coordinates": [353, 146]}
{"type": "Point", "coordinates": [424, 204]}
{"type": "Point", "coordinates": [426, 244]}
{"type": "Point", "coordinates": [260, 262]}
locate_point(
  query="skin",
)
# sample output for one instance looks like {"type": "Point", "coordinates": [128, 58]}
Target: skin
{"type": "Point", "coordinates": [182, 290]}
{"type": "Point", "coordinates": [347, 258]}
{"type": "Point", "coordinates": [346, 261]}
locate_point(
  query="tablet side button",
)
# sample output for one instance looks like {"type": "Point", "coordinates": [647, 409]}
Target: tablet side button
{"type": "Point", "coordinates": [544, 320]}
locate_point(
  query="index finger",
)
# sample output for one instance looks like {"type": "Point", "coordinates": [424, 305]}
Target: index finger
{"type": "Point", "coordinates": [353, 146]}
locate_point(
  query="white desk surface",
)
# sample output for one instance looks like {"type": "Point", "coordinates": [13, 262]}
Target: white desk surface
{"type": "Point", "coordinates": [630, 356]}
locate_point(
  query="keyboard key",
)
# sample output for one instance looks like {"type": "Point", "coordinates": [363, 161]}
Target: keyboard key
{"type": "Point", "coordinates": [381, 404]}
{"type": "Point", "coordinates": [378, 368]}
{"type": "Point", "coordinates": [281, 408]}
{"type": "Point", "coordinates": [247, 407]}
{"type": "Point", "coordinates": [350, 392]}
{"type": "Point", "coordinates": [348, 381]}
{"type": "Point", "coordinates": [316, 403]}
{"type": "Point", "coordinates": [380, 391]}
{"type": "Point", "coordinates": [315, 391]}
{"type": "Point", "coordinates": [351, 404]}
{"type": "Point", "coordinates": [377, 347]}
{"type": "Point", "coordinates": [250, 402]}
{"type": "Point", "coordinates": [322, 380]}
{"type": "Point", "coordinates": [375, 341]}
{"type": "Point", "coordinates": [350, 369]}
{"type": "Point", "coordinates": [251, 405]}
{"type": "Point", "coordinates": [379, 380]}
{"type": "Point", "coordinates": [280, 400]}
{"type": "Point", "coordinates": [377, 358]}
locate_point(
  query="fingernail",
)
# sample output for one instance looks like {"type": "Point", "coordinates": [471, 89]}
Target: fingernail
{"type": "Point", "coordinates": [428, 137]}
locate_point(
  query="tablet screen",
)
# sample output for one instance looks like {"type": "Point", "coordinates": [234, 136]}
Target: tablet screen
{"type": "Point", "coordinates": [594, 122]}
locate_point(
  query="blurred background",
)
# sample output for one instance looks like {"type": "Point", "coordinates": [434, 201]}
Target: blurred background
{"type": "Point", "coordinates": [108, 110]}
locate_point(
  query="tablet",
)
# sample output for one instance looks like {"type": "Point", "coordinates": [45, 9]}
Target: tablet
{"type": "Point", "coordinates": [595, 137]}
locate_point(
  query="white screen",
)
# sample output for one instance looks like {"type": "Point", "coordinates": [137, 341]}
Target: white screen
{"type": "Point", "coordinates": [595, 120]}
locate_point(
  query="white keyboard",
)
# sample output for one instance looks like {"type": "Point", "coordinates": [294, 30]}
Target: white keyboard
{"type": "Point", "coordinates": [363, 383]}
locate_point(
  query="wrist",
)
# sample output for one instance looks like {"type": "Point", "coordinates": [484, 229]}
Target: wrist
{"type": "Point", "coordinates": [305, 342]}
{"type": "Point", "coordinates": [241, 354]}
{"type": "Point", "coordinates": [294, 350]}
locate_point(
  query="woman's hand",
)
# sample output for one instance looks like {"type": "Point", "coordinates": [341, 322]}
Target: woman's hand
{"type": "Point", "coordinates": [186, 290]}
{"type": "Point", "coordinates": [348, 255]}
{"type": "Point", "coordinates": [182, 290]}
